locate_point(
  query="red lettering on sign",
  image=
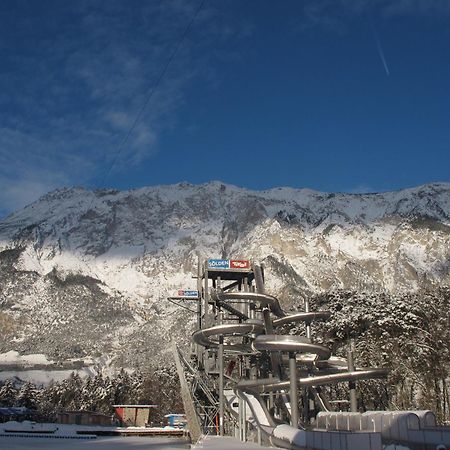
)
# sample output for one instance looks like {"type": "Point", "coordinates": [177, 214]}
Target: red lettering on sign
{"type": "Point", "coordinates": [239, 264]}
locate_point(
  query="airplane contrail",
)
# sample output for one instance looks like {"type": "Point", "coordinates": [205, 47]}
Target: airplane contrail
{"type": "Point", "coordinates": [380, 48]}
{"type": "Point", "coordinates": [381, 53]}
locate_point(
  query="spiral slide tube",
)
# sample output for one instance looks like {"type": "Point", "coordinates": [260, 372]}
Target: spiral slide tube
{"type": "Point", "coordinates": [204, 336]}
{"type": "Point", "coordinates": [253, 337]}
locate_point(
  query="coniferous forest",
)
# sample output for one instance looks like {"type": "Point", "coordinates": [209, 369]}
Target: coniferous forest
{"type": "Point", "coordinates": [408, 334]}
{"type": "Point", "coordinates": [97, 393]}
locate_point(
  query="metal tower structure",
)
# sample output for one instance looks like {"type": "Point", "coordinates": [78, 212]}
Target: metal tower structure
{"type": "Point", "coordinates": [246, 378]}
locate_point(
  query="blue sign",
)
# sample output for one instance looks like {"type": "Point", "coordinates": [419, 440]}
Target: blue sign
{"type": "Point", "coordinates": [218, 263]}
{"type": "Point", "coordinates": [190, 294]}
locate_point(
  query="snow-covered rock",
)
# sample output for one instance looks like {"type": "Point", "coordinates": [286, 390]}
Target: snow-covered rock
{"type": "Point", "coordinates": [88, 271]}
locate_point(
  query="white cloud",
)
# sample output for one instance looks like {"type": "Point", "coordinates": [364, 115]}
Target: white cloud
{"type": "Point", "coordinates": [17, 193]}
{"type": "Point", "coordinates": [31, 165]}
{"type": "Point", "coordinates": [118, 119]}
{"type": "Point", "coordinates": [415, 7]}
{"type": "Point", "coordinates": [75, 93]}
{"type": "Point", "coordinates": [335, 14]}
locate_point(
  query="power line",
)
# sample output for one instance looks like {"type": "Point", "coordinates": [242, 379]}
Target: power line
{"type": "Point", "coordinates": [153, 89]}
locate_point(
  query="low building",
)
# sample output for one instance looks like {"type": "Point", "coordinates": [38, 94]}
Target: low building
{"type": "Point", "coordinates": [17, 413]}
{"type": "Point", "coordinates": [134, 415]}
{"type": "Point", "coordinates": [176, 420]}
{"type": "Point", "coordinates": [84, 418]}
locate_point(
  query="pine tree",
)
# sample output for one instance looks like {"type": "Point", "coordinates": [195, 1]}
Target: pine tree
{"type": "Point", "coordinates": [8, 394]}
{"type": "Point", "coordinates": [27, 396]}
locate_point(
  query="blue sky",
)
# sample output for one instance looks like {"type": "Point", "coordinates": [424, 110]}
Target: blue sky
{"type": "Point", "coordinates": [333, 95]}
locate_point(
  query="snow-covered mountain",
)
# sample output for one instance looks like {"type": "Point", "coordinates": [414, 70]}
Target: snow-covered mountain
{"type": "Point", "coordinates": [88, 272]}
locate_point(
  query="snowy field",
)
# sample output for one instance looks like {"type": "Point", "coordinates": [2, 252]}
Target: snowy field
{"type": "Point", "coordinates": [105, 443]}
{"type": "Point", "coordinates": [227, 443]}
{"type": "Point", "coordinates": [65, 437]}
{"type": "Point", "coordinates": [134, 443]}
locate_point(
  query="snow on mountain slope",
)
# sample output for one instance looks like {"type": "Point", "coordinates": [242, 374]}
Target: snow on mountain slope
{"type": "Point", "coordinates": [140, 246]}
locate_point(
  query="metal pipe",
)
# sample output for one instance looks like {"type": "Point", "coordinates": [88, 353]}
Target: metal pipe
{"type": "Point", "coordinates": [293, 389]}
{"type": "Point", "coordinates": [266, 384]}
{"type": "Point", "coordinates": [198, 350]}
{"type": "Point", "coordinates": [305, 389]}
{"type": "Point", "coordinates": [206, 296]}
{"type": "Point", "coordinates": [221, 385]}
{"type": "Point", "coordinates": [352, 384]}
{"type": "Point", "coordinates": [199, 289]}
{"type": "Point", "coordinates": [240, 418]}
{"type": "Point", "coordinates": [264, 300]}
{"type": "Point", "coordinates": [244, 420]}
{"type": "Point", "coordinates": [259, 280]}
{"type": "Point", "coordinates": [302, 317]}
{"type": "Point", "coordinates": [271, 396]}
{"type": "Point", "coordinates": [243, 416]}
{"type": "Point", "coordinates": [274, 305]}
{"type": "Point", "coordinates": [245, 304]}
{"type": "Point", "coordinates": [308, 324]}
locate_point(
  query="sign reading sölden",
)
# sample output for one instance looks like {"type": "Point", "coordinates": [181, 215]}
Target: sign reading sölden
{"type": "Point", "coordinates": [225, 264]}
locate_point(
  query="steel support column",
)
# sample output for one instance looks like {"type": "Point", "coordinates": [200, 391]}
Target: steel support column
{"type": "Point", "coordinates": [221, 385]}
{"type": "Point", "coordinates": [293, 389]}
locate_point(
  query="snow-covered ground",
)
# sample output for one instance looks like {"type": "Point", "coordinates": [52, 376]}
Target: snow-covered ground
{"type": "Point", "coordinates": [65, 436]}
{"type": "Point", "coordinates": [226, 443]}
{"type": "Point", "coordinates": [37, 369]}
{"type": "Point", "coordinates": [124, 443]}
{"type": "Point", "coordinates": [13, 358]}
{"type": "Point", "coordinates": [38, 377]}
{"type": "Point", "coordinates": [106, 443]}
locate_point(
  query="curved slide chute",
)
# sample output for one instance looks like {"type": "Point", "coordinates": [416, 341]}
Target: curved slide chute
{"type": "Point", "coordinates": [264, 385]}
{"type": "Point", "coordinates": [256, 336]}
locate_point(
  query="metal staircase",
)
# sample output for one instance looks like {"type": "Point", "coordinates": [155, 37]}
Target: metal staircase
{"type": "Point", "coordinates": [201, 401]}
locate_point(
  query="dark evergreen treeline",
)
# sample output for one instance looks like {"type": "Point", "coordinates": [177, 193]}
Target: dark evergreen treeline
{"type": "Point", "coordinates": [98, 393]}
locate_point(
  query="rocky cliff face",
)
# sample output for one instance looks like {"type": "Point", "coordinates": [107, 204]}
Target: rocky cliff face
{"type": "Point", "coordinates": [88, 272]}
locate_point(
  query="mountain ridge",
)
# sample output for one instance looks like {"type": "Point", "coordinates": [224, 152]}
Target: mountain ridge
{"type": "Point", "coordinates": [129, 250]}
